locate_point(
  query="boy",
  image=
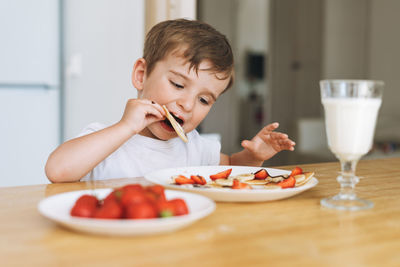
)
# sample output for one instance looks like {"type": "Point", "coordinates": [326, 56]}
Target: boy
{"type": "Point", "coordinates": [186, 66]}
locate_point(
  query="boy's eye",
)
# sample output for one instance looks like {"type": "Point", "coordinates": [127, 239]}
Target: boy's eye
{"type": "Point", "coordinates": [176, 85]}
{"type": "Point", "coordinates": [203, 101]}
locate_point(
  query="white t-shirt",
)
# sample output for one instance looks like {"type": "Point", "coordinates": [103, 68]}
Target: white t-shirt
{"type": "Point", "coordinates": [140, 155]}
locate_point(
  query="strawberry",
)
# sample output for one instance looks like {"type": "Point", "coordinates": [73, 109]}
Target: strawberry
{"type": "Point", "coordinates": [180, 207]}
{"type": "Point", "coordinates": [238, 185]}
{"type": "Point", "coordinates": [111, 209]}
{"type": "Point", "coordinates": [198, 179]}
{"type": "Point", "coordinates": [165, 209]}
{"type": "Point", "coordinates": [132, 187]}
{"type": "Point", "coordinates": [133, 196]}
{"type": "Point", "coordinates": [155, 193]}
{"type": "Point", "coordinates": [221, 175]}
{"type": "Point", "coordinates": [85, 206]}
{"type": "Point", "coordinates": [143, 210]}
{"type": "Point", "coordinates": [115, 195]}
{"type": "Point", "coordinates": [261, 174]}
{"type": "Point", "coordinates": [180, 179]}
{"type": "Point", "coordinates": [287, 183]}
{"type": "Point", "coordinates": [155, 189]}
{"type": "Point", "coordinates": [296, 171]}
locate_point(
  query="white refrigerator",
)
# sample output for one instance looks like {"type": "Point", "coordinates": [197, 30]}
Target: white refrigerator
{"type": "Point", "coordinates": [29, 88]}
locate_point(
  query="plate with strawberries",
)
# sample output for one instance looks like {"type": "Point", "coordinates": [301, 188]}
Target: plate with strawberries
{"type": "Point", "coordinates": [130, 210]}
{"type": "Point", "coordinates": [236, 183]}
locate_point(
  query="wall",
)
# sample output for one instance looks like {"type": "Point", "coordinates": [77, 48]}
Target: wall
{"type": "Point", "coordinates": [252, 26]}
{"type": "Point", "coordinates": [294, 68]}
{"type": "Point", "coordinates": [103, 38]}
{"type": "Point", "coordinates": [252, 22]}
{"type": "Point", "coordinates": [384, 55]}
{"type": "Point", "coordinates": [345, 39]}
{"type": "Point", "coordinates": [361, 42]}
{"type": "Point", "coordinates": [223, 117]}
{"type": "Point", "coordinates": [160, 10]}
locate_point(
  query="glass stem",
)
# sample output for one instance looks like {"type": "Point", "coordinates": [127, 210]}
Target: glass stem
{"type": "Point", "coordinates": [348, 179]}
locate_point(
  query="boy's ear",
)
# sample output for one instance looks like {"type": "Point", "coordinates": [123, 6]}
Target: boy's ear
{"type": "Point", "coordinates": [139, 73]}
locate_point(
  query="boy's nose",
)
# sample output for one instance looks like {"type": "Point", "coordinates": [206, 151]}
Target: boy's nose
{"type": "Point", "coordinates": [186, 103]}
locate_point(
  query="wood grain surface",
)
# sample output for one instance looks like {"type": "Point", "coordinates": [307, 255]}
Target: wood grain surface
{"type": "Point", "coordinates": [292, 232]}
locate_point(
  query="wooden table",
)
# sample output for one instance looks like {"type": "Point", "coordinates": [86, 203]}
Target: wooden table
{"type": "Point", "coordinates": [295, 231]}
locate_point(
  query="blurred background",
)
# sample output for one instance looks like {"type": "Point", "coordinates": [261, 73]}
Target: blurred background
{"type": "Point", "coordinates": [67, 63]}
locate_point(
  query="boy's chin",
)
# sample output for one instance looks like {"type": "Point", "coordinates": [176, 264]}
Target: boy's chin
{"type": "Point", "coordinates": [155, 132]}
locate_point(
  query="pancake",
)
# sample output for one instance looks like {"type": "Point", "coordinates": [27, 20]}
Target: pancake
{"type": "Point", "coordinates": [307, 178]}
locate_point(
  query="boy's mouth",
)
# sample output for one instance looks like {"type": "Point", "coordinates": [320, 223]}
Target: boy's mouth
{"type": "Point", "coordinates": [167, 122]}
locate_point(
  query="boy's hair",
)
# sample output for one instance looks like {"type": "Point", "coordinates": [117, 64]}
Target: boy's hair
{"type": "Point", "coordinates": [199, 40]}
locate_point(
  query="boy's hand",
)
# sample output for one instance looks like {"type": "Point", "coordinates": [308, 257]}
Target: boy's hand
{"type": "Point", "coordinates": [139, 113]}
{"type": "Point", "coordinates": [267, 143]}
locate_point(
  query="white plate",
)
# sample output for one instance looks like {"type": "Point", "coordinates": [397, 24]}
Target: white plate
{"type": "Point", "coordinates": [57, 208]}
{"type": "Point", "coordinates": [163, 177]}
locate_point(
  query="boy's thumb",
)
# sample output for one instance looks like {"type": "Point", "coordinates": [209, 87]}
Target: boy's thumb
{"type": "Point", "coordinates": [246, 144]}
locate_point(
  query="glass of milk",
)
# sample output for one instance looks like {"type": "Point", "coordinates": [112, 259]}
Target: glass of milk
{"type": "Point", "coordinates": [351, 109]}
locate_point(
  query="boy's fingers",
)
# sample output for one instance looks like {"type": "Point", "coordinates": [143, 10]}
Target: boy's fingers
{"type": "Point", "coordinates": [266, 138]}
{"type": "Point", "coordinates": [271, 127]}
{"type": "Point", "coordinates": [273, 137]}
{"type": "Point", "coordinates": [158, 107]}
{"type": "Point", "coordinates": [288, 145]}
{"type": "Point", "coordinates": [153, 110]}
{"type": "Point", "coordinates": [278, 135]}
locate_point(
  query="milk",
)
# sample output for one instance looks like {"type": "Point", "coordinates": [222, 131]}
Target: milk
{"type": "Point", "coordinates": [350, 125]}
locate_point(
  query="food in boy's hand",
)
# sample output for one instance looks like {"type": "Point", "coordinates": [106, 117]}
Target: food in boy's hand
{"type": "Point", "coordinates": [259, 179]}
{"type": "Point", "coordinates": [132, 201]}
{"type": "Point", "coordinates": [177, 127]}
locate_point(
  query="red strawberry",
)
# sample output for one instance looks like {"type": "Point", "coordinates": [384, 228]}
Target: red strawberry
{"type": "Point", "coordinates": [132, 187]}
{"type": "Point", "coordinates": [180, 179]}
{"type": "Point", "coordinates": [180, 207]}
{"type": "Point", "coordinates": [115, 195]}
{"type": "Point", "coordinates": [133, 196]}
{"type": "Point", "coordinates": [238, 185]}
{"type": "Point", "coordinates": [156, 189]}
{"type": "Point", "coordinates": [165, 208]}
{"type": "Point", "coordinates": [198, 179]}
{"type": "Point", "coordinates": [296, 171]}
{"type": "Point", "coordinates": [221, 175]}
{"type": "Point", "coordinates": [287, 183]}
{"type": "Point", "coordinates": [85, 206]}
{"type": "Point", "coordinates": [155, 193]}
{"type": "Point", "coordinates": [111, 209]}
{"type": "Point", "coordinates": [261, 174]}
{"type": "Point", "coordinates": [143, 210]}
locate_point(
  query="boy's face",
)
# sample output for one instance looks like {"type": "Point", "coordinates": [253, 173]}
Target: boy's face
{"type": "Point", "coordinates": [188, 95]}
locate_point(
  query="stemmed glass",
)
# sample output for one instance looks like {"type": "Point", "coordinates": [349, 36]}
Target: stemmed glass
{"type": "Point", "coordinates": [351, 109]}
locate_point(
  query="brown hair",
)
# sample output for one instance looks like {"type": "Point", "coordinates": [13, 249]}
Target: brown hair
{"type": "Point", "coordinates": [199, 42]}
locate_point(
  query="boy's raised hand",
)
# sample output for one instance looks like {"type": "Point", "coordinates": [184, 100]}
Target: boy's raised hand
{"type": "Point", "coordinates": [267, 143]}
{"type": "Point", "coordinates": [139, 113]}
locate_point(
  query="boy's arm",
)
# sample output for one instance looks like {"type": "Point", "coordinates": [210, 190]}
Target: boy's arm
{"type": "Point", "coordinates": [75, 158]}
{"type": "Point", "coordinates": [242, 158]}
{"type": "Point", "coordinates": [262, 147]}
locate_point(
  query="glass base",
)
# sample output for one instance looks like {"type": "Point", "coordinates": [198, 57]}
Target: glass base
{"type": "Point", "coordinates": [340, 202]}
